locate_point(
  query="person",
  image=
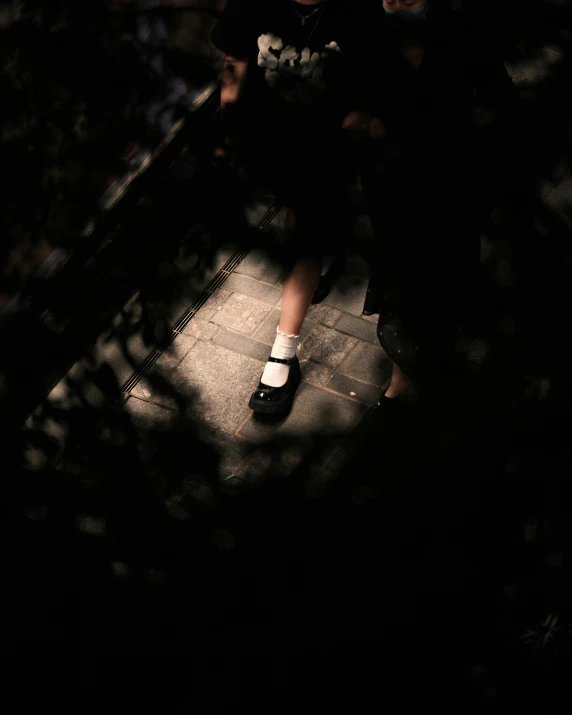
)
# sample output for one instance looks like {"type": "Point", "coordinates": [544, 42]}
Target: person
{"type": "Point", "coordinates": [421, 183]}
{"type": "Point", "coordinates": [290, 81]}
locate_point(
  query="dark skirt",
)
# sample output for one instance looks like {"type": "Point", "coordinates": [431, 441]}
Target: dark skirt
{"type": "Point", "coordinates": [312, 179]}
{"type": "Point", "coordinates": [426, 254]}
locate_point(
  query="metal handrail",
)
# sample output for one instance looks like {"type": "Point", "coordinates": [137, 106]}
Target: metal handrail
{"type": "Point", "coordinates": [138, 166]}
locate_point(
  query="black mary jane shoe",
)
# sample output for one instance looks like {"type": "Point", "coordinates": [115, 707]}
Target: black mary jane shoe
{"type": "Point", "coordinates": [270, 400]}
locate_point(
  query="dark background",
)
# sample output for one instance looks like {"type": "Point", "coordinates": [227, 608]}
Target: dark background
{"type": "Point", "coordinates": [445, 584]}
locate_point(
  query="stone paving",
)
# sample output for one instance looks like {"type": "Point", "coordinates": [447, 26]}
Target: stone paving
{"type": "Point", "coordinates": [208, 371]}
{"type": "Point", "coordinates": [294, 591]}
{"type": "Point", "coordinates": [217, 360]}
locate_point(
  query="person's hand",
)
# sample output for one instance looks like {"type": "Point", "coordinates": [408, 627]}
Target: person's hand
{"type": "Point", "coordinates": [363, 125]}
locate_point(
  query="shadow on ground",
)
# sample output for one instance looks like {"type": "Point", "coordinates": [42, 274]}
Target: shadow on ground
{"type": "Point", "coordinates": [433, 563]}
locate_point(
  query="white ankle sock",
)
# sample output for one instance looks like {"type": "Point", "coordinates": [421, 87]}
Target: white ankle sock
{"type": "Point", "coordinates": [276, 374]}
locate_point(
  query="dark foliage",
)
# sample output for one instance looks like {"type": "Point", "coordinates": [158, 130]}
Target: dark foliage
{"type": "Point", "coordinates": [437, 576]}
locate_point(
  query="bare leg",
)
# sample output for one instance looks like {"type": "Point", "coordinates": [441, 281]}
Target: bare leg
{"type": "Point", "coordinates": [297, 294]}
{"type": "Point", "coordinates": [401, 385]}
{"type": "Point", "coordinates": [298, 289]}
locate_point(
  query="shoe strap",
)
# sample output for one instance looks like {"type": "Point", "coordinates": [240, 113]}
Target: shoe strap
{"type": "Point", "coordinates": [282, 361]}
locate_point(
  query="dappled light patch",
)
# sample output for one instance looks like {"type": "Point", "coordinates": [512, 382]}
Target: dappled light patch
{"type": "Point", "coordinates": [142, 488]}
